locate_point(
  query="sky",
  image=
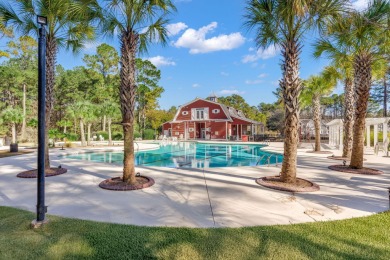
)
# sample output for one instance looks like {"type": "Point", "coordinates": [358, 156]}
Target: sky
{"type": "Point", "coordinates": [210, 51]}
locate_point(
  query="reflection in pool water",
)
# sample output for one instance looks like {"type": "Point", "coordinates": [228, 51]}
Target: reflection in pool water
{"type": "Point", "coordinates": [191, 155]}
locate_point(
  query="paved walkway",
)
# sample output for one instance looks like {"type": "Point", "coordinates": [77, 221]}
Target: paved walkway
{"type": "Point", "coordinates": [180, 197]}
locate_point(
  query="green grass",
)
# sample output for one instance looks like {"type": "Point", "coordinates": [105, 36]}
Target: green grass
{"type": "Point", "coordinates": [64, 238]}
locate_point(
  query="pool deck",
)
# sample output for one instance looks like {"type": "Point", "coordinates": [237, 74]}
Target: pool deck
{"type": "Point", "coordinates": [214, 197]}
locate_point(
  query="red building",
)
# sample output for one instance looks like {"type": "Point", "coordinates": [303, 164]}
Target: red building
{"type": "Point", "coordinates": [208, 119]}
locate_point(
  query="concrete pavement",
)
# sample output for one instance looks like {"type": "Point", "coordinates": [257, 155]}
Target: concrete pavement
{"type": "Point", "coordinates": [213, 197]}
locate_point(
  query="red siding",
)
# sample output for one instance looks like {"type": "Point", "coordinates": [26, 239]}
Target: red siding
{"type": "Point", "coordinates": [218, 130]}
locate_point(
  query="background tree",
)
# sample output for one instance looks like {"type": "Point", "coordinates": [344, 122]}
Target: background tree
{"type": "Point", "coordinates": [342, 69]}
{"type": "Point", "coordinates": [283, 23]}
{"type": "Point", "coordinates": [138, 23]}
{"type": "Point", "coordinates": [380, 92]}
{"type": "Point", "coordinates": [157, 118]}
{"type": "Point", "coordinates": [66, 27]}
{"type": "Point", "coordinates": [24, 57]}
{"type": "Point", "coordinates": [111, 110]}
{"type": "Point", "coordinates": [315, 87]}
{"type": "Point", "coordinates": [105, 62]}
{"type": "Point", "coordinates": [148, 90]}
{"type": "Point", "coordinates": [362, 32]}
{"type": "Point", "coordinates": [4, 31]}
{"type": "Point", "coordinates": [12, 116]}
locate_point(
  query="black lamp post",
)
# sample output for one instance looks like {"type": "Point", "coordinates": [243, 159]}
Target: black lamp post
{"type": "Point", "coordinates": [41, 208]}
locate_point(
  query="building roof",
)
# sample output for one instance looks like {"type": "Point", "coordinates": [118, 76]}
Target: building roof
{"type": "Point", "coordinates": [230, 112]}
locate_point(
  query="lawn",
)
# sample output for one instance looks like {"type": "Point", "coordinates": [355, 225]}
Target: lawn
{"type": "Point", "coordinates": [65, 238]}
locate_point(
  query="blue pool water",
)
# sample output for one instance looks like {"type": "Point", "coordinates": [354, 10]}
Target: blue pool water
{"type": "Point", "coordinates": [191, 155]}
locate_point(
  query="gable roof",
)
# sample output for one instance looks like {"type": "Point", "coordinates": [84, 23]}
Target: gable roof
{"type": "Point", "coordinates": [223, 107]}
{"type": "Point", "coordinates": [230, 112]}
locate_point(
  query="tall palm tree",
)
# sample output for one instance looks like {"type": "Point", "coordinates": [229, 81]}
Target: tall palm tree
{"type": "Point", "coordinates": [342, 68]}
{"type": "Point", "coordinates": [283, 23]}
{"type": "Point", "coordinates": [66, 27]}
{"type": "Point", "coordinates": [138, 24]}
{"type": "Point", "coordinates": [362, 33]}
{"type": "Point", "coordinates": [315, 87]}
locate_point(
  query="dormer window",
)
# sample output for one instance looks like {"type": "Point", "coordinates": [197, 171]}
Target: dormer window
{"type": "Point", "coordinates": [200, 113]}
{"type": "Point", "coordinates": [184, 113]}
{"type": "Point", "coordinates": [216, 111]}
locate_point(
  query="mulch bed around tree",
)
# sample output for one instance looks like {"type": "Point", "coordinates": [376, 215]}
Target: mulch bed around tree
{"type": "Point", "coordinates": [319, 152]}
{"type": "Point", "coordinates": [48, 173]}
{"type": "Point", "coordinates": [301, 185]}
{"type": "Point", "coordinates": [118, 185]}
{"type": "Point", "coordinates": [346, 168]}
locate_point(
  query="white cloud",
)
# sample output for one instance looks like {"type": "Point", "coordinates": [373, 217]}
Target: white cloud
{"type": "Point", "coordinates": [224, 74]}
{"type": "Point", "coordinates": [227, 92]}
{"type": "Point", "coordinates": [196, 40]}
{"type": "Point", "coordinates": [253, 82]}
{"type": "Point", "coordinates": [160, 61]}
{"type": "Point", "coordinates": [360, 4]}
{"type": "Point", "coordinates": [195, 85]}
{"type": "Point", "coordinates": [263, 54]}
{"type": "Point", "coordinates": [262, 75]}
{"type": "Point", "coordinates": [175, 28]}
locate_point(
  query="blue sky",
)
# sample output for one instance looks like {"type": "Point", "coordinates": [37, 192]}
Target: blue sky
{"type": "Point", "coordinates": [210, 51]}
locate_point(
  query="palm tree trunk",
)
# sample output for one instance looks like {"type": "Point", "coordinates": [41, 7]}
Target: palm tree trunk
{"type": "Point", "coordinates": [128, 88]}
{"type": "Point", "coordinates": [82, 133]}
{"type": "Point", "coordinates": [349, 110]}
{"type": "Point", "coordinates": [23, 130]}
{"type": "Point", "coordinates": [362, 71]}
{"type": "Point", "coordinates": [384, 96]}
{"type": "Point", "coordinates": [109, 131]}
{"type": "Point", "coordinates": [89, 134]}
{"type": "Point", "coordinates": [317, 122]}
{"type": "Point", "coordinates": [291, 86]}
{"type": "Point", "coordinates": [51, 54]}
{"type": "Point", "coordinates": [64, 129]}
{"type": "Point", "coordinates": [13, 133]}
{"type": "Point", "coordinates": [104, 123]}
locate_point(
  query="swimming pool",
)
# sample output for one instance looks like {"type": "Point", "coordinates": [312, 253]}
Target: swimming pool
{"type": "Point", "coordinates": [191, 155]}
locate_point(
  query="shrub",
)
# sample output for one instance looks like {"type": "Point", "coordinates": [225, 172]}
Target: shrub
{"type": "Point", "coordinates": [72, 137]}
{"type": "Point", "coordinates": [148, 134]}
{"type": "Point", "coordinates": [69, 145]}
{"type": "Point", "coordinates": [117, 136]}
{"type": "Point", "coordinates": [137, 134]}
{"type": "Point", "coordinates": [56, 134]}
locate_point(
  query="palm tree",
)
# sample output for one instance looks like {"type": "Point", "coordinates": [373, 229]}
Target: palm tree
{"type": "Point", "coordinates": [362, 33]}
{"type": "Point", "coordinates": [283, 23]}
{"type": "Point", "coordinates": [342, 69]}
{"type": "Point", "coordinates": [138, 23]}
{"type": "Point", "coordinates": [109, 110]}
{"type": "Point", "coordinates": [315, 87]}
{"type": "Point", "coordinates": [12, 116]}
{"type": "Point", "coordinates": [66, 27]}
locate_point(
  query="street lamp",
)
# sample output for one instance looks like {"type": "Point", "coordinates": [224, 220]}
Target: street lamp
{"type": "Point", "coordinates": [41, 208]}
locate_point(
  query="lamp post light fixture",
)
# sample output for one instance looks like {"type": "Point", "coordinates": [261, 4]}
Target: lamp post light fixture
{"type": "Point", "coordinates": [41, 208]}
